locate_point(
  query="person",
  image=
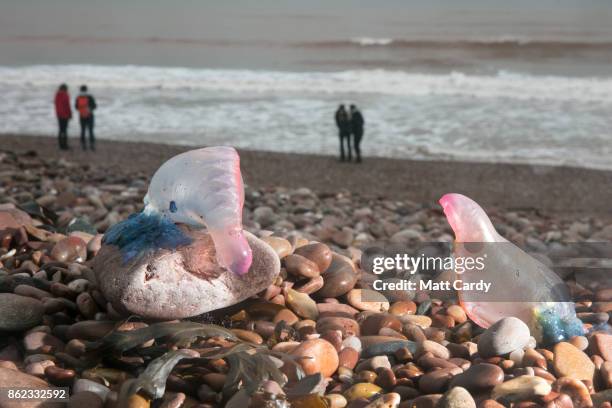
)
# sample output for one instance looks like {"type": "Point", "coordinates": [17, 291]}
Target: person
{"type": "Point", "coordinates": [344, 131]}
{"type": "Point", "coordinates": [357, 123]}
{"type": "Point", "coordinates": [86, 104]}
{"type": "Point", "coordinates": [64, 114]}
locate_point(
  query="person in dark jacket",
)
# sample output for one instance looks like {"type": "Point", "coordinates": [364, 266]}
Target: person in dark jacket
{"type": "Point", "coordinates": [64, 114]}
{"type": "Point", "coordinates": [357, 123]}
{"type": "Point", "coordinates": [344, 131]}
{"type": "Point", "coordinates": [86, 104]}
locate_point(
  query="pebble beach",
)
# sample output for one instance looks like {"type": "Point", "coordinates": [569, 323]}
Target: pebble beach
{"type": "Point", "coordinates": [298, 333]}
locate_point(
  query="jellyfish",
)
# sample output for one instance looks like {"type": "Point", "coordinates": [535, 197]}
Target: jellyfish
{"type": "Point", "coordinates": [521, 286]}
{"type": "Point", "coordinates": [201, 188]}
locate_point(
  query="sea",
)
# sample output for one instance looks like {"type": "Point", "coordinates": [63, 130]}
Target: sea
{"type": "Point", "coordinates": [482, 80]}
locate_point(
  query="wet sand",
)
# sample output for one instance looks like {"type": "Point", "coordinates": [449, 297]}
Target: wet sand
{"type": "Point", "coordinates": [544, 189]}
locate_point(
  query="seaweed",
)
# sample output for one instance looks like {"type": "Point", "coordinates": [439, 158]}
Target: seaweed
{"type": "Point", "coordinates": [249, 364]}
{"type": "Point", "coordinates": [121, 341]}
{"type": "Point", "coordinates": [153, 379]}
{"type": "Point", "coordinates": [38, 211]}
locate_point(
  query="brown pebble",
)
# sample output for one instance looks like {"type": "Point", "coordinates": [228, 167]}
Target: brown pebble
{"type": "Point", "coordinates": [348, 357]}
{"type": "Point", "coordinates": [340, 277]}
{"type": "Point", "coordinates": [311, 286]}
{"type": "Point", "coordinates": [367, 300]}
{"type": "Point", "coordinates": [372, 325]}
{"type": "Point", "coordinates": [31, 291]}
{"type": "Point", "coordinates": [366, 376]}
{"type": "Point", "coordinates": [457, 313]}
{"type": "Point", "coordinates": [334, 337]}
{"type": "Point", "coordinates": [601, 344]}
{"type": "Point", "coordinates": [385, 378]}
{"type": "Point", "coordinates": [580, 342]}
{"type": "Point", "coordinates": [437, 381]}
{"type": "Point", "coordinates": [317, 355]}
{"type": "Point", "coordinates": [281, 246]}
{"type": "Point", "coordinates": [59, 376]}
{"type": "Point", "coordinates": [605, 373]}
{"type": "Point", "coordinates": [425, 401]}
{"type": "Point", "coordinates": [403, 355]}
{"type": "Point", "coordinates": [571, 362]}
{"type": "Point", "coordinates": [575, 389]}
{"type": "Point", "coordinates": [248, 336]}
{"type": "Point", "coordinates": [347, 325]}
{"type": "Point", "coordinates": [287, 316]}
{"type": "Point", "coordinates": [70, 249]}
{"type": "Point", "coordinates": [403, 307]}
{"type": "Point", "coordinates": [90, 329]}
{"type": "Point", "coordinates": [442, 321]}
{"type": "Point", "coordinates": [561, 401]}
{"type": "Point", "coordinates": [301, 304]}
{"type": "Point", "coordinates": [422, 321]}
{"type": "Point", "coordinates": [215, 380]}
{"type": "Point", "coordinates": [336, 309]}
{"type": "Point", "coordinates": [318, 253]}
{"type": "Point", "coordinates": [479, 377]}
{"type": "Point", "coordinates": [532, 358]}
{"type": "Point", "coordinates": [300, 266]}
{"type": "Point", "coordinates": [436, 349]}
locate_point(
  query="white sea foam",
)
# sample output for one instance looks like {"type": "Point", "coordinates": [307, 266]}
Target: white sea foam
{"type": "Point", "coordinates": [371, 41]}
{"type": "Point", "coordinates": [504, 84]}
{"type": "Point", "coordinates": [507, 116]}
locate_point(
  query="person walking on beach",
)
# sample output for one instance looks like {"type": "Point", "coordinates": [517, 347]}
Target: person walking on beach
{"type": "Point", "coordinates": [344, 131]}
{"type": "Point", "coordinates": [86, 104]}
{"type": "Point", "coordinates": [357, 123]}
{"type": "Point", "coordinates": [64, 114]}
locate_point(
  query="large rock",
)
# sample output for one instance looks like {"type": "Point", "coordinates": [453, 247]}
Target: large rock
{"type": "Point", "coordinates": [170, 285]}
{"type": "Point", "coordinates": [19, 312]}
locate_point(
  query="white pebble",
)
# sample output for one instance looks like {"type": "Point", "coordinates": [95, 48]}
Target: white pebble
{"type": "Point", "coordinates": [353, 342]}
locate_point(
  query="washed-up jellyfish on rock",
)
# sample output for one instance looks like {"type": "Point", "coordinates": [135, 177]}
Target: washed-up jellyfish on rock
{"type": "Point", "coordinates": [186, 252]}
{"type": "Point", "coordinates": [199, 188]}
{"type": "Point", "coordinates": [521, 286]}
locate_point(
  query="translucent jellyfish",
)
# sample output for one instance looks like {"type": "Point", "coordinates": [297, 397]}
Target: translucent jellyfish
{"type": "Point", "coordinates": [521, 286]}
{"type": "Point", "coordinates": [201, 188]}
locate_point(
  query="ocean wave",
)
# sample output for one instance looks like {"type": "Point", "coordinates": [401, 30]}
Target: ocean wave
{"type": "Point", "coordinates": [371, 41]}
{"type": "Point", "coordinates": [498, 43]}
{"type": "Point", "coordinates": [493, 43]}
{"type": "Point", "coordinates": [377, 81]}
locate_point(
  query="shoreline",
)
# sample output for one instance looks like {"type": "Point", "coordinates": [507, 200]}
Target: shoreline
{"type": "Point", "coordinates": [510, 187]}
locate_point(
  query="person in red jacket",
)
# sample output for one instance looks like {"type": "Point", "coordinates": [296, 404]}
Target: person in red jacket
{"type": "Point", "coordinates": [64, 114]}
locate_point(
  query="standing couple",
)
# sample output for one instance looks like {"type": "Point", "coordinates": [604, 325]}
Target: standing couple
{"type": "Point", "coordinates": [85, 104]}
{"type": "Point", "coordinates": [350, 127]}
